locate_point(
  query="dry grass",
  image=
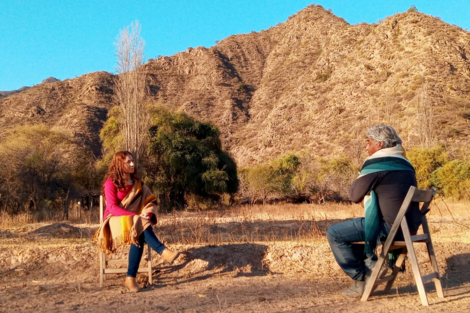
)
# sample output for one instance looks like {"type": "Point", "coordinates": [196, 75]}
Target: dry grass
{"type": "Point", "coordinates": [287, 222]}
{"type": "Point", "coordinates": [252, 223]}
{"type": "Point", "coordinates": [76, 215]}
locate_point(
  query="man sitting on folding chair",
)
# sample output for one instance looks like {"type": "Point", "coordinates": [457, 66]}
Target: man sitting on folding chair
{"type": "Point", "coordinates": [382, 185]}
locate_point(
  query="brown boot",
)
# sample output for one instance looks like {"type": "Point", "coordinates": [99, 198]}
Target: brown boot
{"type": "Point", "coordinates": [131, 284]}
{"type": "Point", "coordinates": [169, 256]}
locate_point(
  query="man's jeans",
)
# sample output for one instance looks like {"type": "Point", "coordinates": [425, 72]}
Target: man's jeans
{"type": "Point", "coordinates": [135, 253]}
{"type": "Point", "coordinates": [350, 257]}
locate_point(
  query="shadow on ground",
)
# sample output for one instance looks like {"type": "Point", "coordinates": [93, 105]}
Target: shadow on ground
{"type": "Point", "coordinates": [235, 260]}
{"type": "Point", "coordinates": [456, 275]}
{"type": "Point", "coordinates": [457, 270]}
{"type": "Point", "coordinates": [7, 234]}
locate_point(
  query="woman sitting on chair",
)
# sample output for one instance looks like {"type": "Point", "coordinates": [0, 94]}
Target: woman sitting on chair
{"type": "Point", "coordinates": [131, 210]}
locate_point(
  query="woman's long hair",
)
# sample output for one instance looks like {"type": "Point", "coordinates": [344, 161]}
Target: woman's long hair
{"type": "Point", "coordinates": [116, 170]}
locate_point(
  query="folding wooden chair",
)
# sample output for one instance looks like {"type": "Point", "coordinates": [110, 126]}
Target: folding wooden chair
{"type": "Point", "coordinates": [105, 262]}
{"type": "Point", "coordinates": [413, 195]}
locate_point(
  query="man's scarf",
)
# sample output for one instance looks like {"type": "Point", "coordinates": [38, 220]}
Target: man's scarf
{"type": "Point", "coordinates": [116, 231]}
{"type": "Point", "coordinates": [388, 159]}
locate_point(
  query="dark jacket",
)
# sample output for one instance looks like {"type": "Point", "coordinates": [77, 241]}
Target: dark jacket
{"type": "Point", "coordinates": [391, 188]}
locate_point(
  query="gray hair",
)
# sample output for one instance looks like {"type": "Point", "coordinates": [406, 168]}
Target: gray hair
{"type": "Point", "coordinates": [385, 134]}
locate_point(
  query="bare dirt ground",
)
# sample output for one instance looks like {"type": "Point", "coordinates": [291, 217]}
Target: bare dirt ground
{"type": "Point", "coordinates": [261, 259]}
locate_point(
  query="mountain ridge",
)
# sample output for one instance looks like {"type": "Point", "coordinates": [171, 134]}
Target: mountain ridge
{"type": "Point", "coordinates": [314, 84]}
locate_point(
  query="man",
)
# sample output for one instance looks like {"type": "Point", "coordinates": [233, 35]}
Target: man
{"type": "Point", "coordinates": [382, 185]}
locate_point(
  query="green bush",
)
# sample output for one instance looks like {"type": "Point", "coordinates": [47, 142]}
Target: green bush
{"type": "Point", "coordinates": [276, 177]}
{"type": "Point", "coordinates": [425, 162]}
{"type": "Point", "coordinates": [185, 157]}
{"type": "Point", "coordinates": [454, 179]}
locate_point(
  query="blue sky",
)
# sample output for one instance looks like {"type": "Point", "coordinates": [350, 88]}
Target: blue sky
{"type": "Point", "coordinates": [66, 39]}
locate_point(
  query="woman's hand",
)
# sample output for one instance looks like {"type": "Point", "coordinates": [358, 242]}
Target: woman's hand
{"type": "Point", "coordinates": [146, 216]}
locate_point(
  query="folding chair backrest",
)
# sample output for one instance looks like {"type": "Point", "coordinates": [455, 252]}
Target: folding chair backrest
{"type": "Point", "coordinates": [414, 195]}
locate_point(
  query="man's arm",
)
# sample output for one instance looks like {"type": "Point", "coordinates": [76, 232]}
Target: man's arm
{"type": "Point", "coordinates": [363, 186]}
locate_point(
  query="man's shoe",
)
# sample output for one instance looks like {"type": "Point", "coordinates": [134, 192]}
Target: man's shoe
{"type": "Point", "coordinates": [356, 289]}
{"type": "Point", "coordinates": [169, 256]}
{"type": "Point", "coordinates": [131, 284]}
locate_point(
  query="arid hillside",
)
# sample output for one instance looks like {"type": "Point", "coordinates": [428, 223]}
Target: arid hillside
{"type": "Point", "coordinates": [312, 84]}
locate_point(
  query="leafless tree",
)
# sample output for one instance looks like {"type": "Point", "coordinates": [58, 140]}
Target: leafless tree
{"type": "Point", "coordinates": [130, 89]}
{"type": "Point", "coordinates": [425, 118]}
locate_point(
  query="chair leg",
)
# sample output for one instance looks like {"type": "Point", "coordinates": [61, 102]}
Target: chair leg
{"type": "Point", "coordinates": [432, 257]}
{"type": "Point", "coordinates": [373, 277]}
{"type": "Point", "coordinates": [414, 263]}
{"type": "Point", "coordinates": [150, 266]}
{"type": "Point", "coordinates": [396, 269]}
{"type": "Point", "coordinates": [101, 269]}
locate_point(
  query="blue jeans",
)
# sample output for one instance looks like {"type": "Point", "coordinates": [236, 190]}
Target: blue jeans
{"type": "Point", "coordinates": [135, 253]}
{"type": "Point", "coordinates": [351, 257]}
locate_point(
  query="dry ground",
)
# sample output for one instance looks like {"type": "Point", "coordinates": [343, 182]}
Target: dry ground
{"type": "Point", "coordinates": [252, 259]}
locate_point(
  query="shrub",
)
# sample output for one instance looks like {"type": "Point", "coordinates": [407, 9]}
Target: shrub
{"type": "Point", "coordinates": [335, 175]}
{"type": "Point", "coordinates": [323, 76]}
{"type": "Point", "coordinates": [453, 178]}
{"type": "Point", "coordinates": [185, 157]}
{"type": "Point", "coordinates": [276, 177]}
{"type": "Point", "coordinates": [41, 165]}
{"type": "Point", "coordinates": [425, 162]}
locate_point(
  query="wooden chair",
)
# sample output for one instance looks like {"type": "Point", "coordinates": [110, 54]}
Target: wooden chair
{"type": "Point", "coordinates": [413, 195]}
{"type": "Point", "coordinates": [105, 262]}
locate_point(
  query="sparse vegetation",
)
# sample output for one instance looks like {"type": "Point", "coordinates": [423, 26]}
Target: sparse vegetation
{"type": "Point", "coordinates": [323, 76]}
{"type": "Point", "coordinates": [298, 180]}
{"type": "Point", "coordinates": [41, 168]}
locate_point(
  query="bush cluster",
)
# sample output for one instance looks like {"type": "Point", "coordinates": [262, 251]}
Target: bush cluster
{"type": "Point", "coordinates": [297, 178]}
{"type": "Point", "coordinates": [41, 168]}
{"type": "Point", "coordinates": [185, 158]}
{"type": "Point", "coordinates": [434, 168]}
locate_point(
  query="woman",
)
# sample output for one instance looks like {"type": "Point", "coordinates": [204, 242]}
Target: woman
{"type": "Point", "coordinates": [131, 210]}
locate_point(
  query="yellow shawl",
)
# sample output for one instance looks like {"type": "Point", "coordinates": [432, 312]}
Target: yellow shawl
{"type": "Point", "coordinates": [117, 231]}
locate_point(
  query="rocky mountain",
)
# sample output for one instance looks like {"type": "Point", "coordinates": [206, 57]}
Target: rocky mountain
{"type": "Point", "coordinates": [44, 81]}
{"type": "Point", "coordinates": [312, 84]}
{"type": "Point", "coordinates": [8, 93]}
{"type": "Point", "coordinates": [79, 105]}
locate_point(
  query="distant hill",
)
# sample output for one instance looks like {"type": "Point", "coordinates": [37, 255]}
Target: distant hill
{"type": "Point", "coordinates": [9, 93]}
{"type": "Point", "coordinates": [313, 84]}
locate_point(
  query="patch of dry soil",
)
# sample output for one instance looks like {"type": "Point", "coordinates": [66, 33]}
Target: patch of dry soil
{"type": "Point", "coordinates": [59, 273]}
